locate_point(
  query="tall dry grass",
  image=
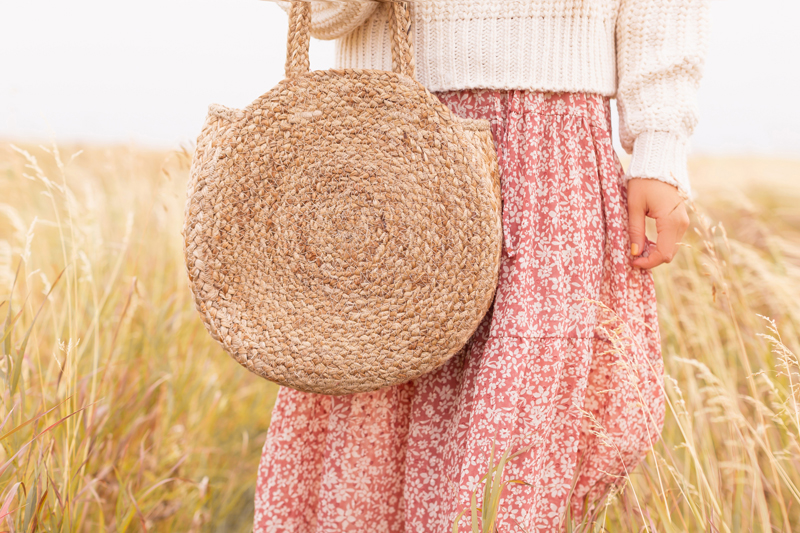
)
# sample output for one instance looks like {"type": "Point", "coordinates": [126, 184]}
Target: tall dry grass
{"type": "Point", "coordinates": [119, 413]}
{"type": "Point", "coordinates": [729, 458]}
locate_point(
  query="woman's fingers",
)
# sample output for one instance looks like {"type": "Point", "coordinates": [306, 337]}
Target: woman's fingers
{"type": "Point", "coordinates": [637, 212]}
{"type": "Point", "coordinates": [662, 202]}
{"type": "Point", "coordinates": [669, 234]}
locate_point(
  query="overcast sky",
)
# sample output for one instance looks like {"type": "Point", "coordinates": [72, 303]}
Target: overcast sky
{"type": "Point", "coordinates": [145, 71]}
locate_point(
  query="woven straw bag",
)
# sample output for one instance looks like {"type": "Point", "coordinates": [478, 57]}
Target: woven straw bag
{"type": "Point", "coordinates": [343, 232]}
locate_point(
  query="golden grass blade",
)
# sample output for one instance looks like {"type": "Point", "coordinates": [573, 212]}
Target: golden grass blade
{"type": "Point", "coordinates": [459, 516]}
{"type": "Point", "coordinates": [487, 490]}
{"type": "Point", "coordinates": [10, 494]}
{"type": "Point", "coordinates": [30, 503]}
{"type": "Point", "coordinates": [492, 504]}
{"type": "Point", "coordinates": [31, 421]}
{"type": "Point", "coordinates": [474, 510]}
{"type": "Point", "coordinates": [25, 446]}
{"type": "Point", "coordinates": [8, 328]}
{"type": "Point", "coordinates": [24, 344]}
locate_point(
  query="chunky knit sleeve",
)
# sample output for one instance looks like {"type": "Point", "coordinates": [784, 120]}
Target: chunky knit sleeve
{"type": "Point", "coordinates": [661, 47]}
{"type": "Point", "coordinates": [331, 20]}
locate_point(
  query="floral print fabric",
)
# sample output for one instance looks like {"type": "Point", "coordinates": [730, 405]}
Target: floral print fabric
{"type": "Point", "coordinates": [565, 369]}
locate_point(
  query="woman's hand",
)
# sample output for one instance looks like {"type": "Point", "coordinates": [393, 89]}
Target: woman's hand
{"type": "Point", "coordinates": [661, 201]}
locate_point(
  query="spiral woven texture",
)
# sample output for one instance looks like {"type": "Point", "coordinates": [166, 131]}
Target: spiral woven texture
{"type": "Point", "coordinates": [343, 231]}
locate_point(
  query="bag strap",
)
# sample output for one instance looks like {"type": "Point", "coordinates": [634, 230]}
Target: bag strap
{"type": "Point", "coordinates": [402, 49]}
{"type": "Point", "coordinates": [299, 39]}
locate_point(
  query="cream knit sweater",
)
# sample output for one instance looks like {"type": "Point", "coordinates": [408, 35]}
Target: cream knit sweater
{"type": "Point", "coordinates": [649, 54]}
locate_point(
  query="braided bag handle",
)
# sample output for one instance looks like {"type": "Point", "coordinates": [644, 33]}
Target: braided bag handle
{"type": "Point", "coordinates": [402, 52]}
{"type": "Point", "coordinates": [299, 39]}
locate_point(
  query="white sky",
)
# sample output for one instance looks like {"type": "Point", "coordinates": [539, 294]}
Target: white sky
{"type": "Point", "coordinates": [146, 70]}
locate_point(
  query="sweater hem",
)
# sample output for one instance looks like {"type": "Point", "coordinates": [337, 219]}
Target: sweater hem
{"type": "Point", "coordinates": [577, 58]}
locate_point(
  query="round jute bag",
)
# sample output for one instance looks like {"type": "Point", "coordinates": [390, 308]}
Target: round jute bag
{"type": "Point", "coordinates": [342, 232]}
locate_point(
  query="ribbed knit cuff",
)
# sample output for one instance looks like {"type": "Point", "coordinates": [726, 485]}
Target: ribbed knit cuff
{"type": "Point", "coordinates": [661, 155]}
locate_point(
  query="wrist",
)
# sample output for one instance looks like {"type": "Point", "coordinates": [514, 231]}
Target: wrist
{"type": "Point", "coordinates": [662, 156]}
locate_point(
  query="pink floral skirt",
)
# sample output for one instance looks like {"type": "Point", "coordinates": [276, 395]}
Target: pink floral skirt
{"type": "Point", "coordinates": [565, 370]}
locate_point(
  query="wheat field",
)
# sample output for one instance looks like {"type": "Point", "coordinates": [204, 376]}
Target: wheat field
{"type": "Point", "coordinates": [119, 413]}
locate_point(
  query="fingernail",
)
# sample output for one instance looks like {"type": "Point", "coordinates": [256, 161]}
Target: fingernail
{"type": "Point", "coordinates": [634, 249]}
